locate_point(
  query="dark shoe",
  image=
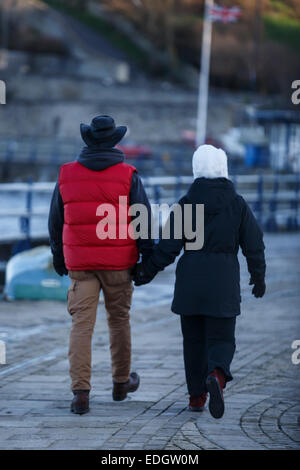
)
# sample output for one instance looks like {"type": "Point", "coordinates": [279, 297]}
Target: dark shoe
{"type": "Point", "coordinates": [197, 402]}
{"type": "Point", "coordinates": [215, 383]}
{"type": "Point", "coordinates": [80, 402]}
{"type": "Point", "coordinates": [120, 390]}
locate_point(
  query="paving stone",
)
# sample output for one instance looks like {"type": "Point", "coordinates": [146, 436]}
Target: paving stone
{"type": "Point", "coordinates": [262, 403]}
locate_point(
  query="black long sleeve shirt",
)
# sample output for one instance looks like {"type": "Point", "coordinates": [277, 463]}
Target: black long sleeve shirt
{"type": "Point", "coordinates": [137, 195]}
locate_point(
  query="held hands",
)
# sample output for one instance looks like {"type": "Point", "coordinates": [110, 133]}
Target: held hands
{"type": "Point", "coordinates": [141, 275]}
{"type": "Point", "coordinates": [259, 287]}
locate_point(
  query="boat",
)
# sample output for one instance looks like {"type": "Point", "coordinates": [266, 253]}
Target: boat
{"type": "Point", "coordinates": [30, 275]}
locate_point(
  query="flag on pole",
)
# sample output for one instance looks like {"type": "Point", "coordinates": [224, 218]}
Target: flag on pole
{"type": "Point", "coordinates": [224, 14]}
{"type": "Point", "coordinates": [212, 13]}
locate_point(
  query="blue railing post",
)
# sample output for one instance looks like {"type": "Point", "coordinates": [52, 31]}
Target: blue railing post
{"type": "Point", "coordinates": [271, 223]}
{"type": "Point", "coordinates": [54, 158]}
{"type": "Point", "coordinates": [157, 193]}
{"type": "Point", "coordinates": [157, 197]}
{"type": "Point", "coordinates": [178, 186]}
{"type": "Point", "coordinates": [8, 160]}
{"type": "Point", "coordinates": [232, 175]}
{"type": "Point", "coordinates": [28, 208]}
{"type": "Point", "coordinates": [259, 203]}
{"type": "Point", "coordinates": [292, 221]}
{"type": "Point", "coordinates": [32, 153]}
{"type": "Point", "coordinates": [234, 180]}
{"type": "Point", "coordinates": [287, 164]}
{"type": "Point", "coordinates": [157, 160]}
{"type": "Point", "coordinates": [25, 222]}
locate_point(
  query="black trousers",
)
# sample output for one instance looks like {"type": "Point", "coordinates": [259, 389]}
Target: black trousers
{"type": "Point", "coordinates": [208, 342]}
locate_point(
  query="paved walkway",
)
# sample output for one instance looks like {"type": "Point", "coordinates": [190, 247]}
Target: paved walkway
{"type": "Point", "coordinates": [262, 402]}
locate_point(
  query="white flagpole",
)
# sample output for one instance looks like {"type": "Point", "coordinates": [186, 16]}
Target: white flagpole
{"type": "Point", "coordinates": [204, 75]}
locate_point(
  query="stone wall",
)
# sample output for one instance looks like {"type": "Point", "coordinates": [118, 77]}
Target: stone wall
{"type": "Point", "coordinates": [39, 104]}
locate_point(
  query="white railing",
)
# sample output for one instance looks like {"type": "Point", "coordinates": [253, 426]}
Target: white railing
{"type": "Point", "coordinates": [271, 196]}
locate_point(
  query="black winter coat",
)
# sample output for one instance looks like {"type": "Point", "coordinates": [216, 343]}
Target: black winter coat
{"type": "Point", "coordinates": [208, 279]}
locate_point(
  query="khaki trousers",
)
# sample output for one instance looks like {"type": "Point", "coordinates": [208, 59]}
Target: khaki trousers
{"type": "Point", "coordinates": [83, 298]}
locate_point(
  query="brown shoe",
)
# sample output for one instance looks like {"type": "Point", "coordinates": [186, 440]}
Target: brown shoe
{"type": "Point", "coordinates": [80, 402]}
{"type": "Point", "coordinates": [120, 390]}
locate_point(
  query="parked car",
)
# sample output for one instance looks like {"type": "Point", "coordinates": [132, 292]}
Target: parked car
{"type": "Point", "coordinates": [189, 138]}
{"type": "Point", "coordinates": [133, 151]}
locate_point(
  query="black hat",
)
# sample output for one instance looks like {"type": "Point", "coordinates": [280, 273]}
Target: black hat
{"type": "Point", "coordinates": [102, 132]}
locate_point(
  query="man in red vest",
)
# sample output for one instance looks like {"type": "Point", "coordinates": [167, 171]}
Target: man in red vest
{"type": "Point", "coordinates": [98, 176]}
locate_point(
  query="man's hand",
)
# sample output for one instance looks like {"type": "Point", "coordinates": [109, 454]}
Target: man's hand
{"type": "Point", "coordinates": [59, 267]}
{"type": "Point", "coordinates": [141, 275]}
{"type": "Point", "coordinates": [259, 287]}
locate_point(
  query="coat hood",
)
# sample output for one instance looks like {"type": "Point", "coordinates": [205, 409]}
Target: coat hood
{"type": "Point", "coordinates": [209, 162]}
{"type": "Point", "coordinates": [99, 159]}
{"type": "Point", "coordinates": [214, 193]}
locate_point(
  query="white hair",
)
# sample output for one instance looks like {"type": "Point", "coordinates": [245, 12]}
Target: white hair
{"type": "Point", "coordinates": [210, 162]}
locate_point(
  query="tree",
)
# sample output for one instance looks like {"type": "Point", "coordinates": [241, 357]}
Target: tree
{"type": "Point", "coordinates": [154, 17]}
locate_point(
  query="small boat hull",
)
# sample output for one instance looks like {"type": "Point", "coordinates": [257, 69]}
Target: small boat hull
{"type": "Point", "coordinates": [30, 276]}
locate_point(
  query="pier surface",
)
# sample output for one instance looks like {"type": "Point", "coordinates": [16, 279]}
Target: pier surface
{"type": "Point", "coordinates": [262, 402]}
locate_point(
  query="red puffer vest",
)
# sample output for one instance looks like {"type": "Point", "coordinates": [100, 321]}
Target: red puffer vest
{"type": "Point", "coordinates": [82, 191]}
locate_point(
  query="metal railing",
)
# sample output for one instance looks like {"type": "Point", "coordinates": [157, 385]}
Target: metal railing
{"type": "Point", "coordinates": [273, 198]}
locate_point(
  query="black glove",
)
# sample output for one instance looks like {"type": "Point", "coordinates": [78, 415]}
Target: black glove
{"type": "Point", "coordinates": [60, 267]}
{"type": "Point", "coordinates": [259, 287]}
{"type": "Point", "coordinates": [141, 275]}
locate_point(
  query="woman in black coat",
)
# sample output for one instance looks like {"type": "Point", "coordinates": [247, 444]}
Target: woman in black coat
{"type": "Point", "coordinates": [207, 288]}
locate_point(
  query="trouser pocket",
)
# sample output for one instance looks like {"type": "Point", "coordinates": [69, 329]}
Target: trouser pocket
{"type": "Point", "coordinates": [71, 297]}
{"type": "Point", "coordinates": [79, 288]}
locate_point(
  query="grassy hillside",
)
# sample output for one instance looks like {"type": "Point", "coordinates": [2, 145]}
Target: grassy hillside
{"type": "Point", "coordinates": [117, 38]}
{"type": "Point", "coordinates": [259, 51]}
{"type": "Point", "coordinates": [282, 25]}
